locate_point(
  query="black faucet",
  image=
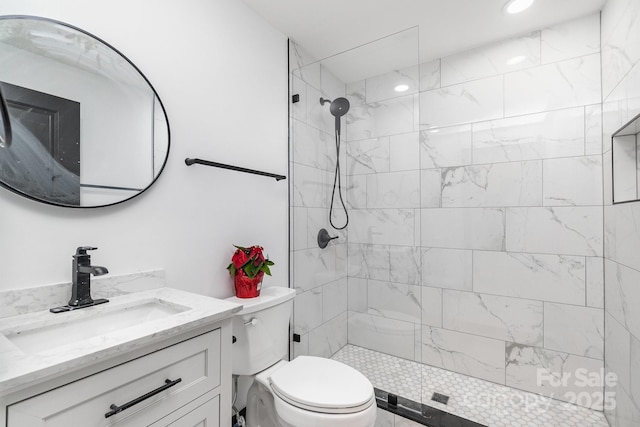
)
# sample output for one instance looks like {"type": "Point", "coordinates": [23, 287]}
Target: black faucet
{"type": "Point", "coordinates": [81, 271]}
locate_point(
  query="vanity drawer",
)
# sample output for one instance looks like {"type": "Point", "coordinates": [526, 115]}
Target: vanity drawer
{"type": "Point", "coordinates": [196, 362]}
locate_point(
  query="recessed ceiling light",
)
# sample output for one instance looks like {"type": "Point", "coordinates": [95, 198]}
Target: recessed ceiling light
{"type": "Point", "coordinates": [401, 88]}
{"type": "Point", "coordinates": [517, 6]}
{"type": "Point", "coordinates": [516, 59]}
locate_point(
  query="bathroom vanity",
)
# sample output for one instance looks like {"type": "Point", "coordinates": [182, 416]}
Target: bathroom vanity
{"type": "Point", "coordinates": [160, 357]}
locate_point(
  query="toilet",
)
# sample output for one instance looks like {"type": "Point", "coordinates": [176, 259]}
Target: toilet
{"type": "Point", "coordinates": [305, 392]}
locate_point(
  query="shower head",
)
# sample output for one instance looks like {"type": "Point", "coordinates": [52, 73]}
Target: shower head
{"type": "Point", "coordinates": [339, 107]}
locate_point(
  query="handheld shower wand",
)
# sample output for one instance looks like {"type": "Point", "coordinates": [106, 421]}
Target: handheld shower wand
{"type": "Point", "coordinates": [338, 108]}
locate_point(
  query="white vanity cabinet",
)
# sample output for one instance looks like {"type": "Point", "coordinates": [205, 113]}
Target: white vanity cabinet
{"type": "Point", "coordinates": [187, 383]}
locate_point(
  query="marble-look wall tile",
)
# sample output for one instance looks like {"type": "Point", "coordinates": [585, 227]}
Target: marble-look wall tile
{"type": "Point", "coordinates": [447, 268]}
{"type": "Point", "coordinates": [623, 233]}
{"type": "Point", "coordinates": [595, 282]}
{"type": "Point", "coordinates": [498, 58]}
{"type": "Point", "coordinates": [382, 226]}
{"type": "Point", "coordinates": [626, 412]}
{"type": "Point", "coordinates": [357, 294]}
{"type": "Point", "coordinates": [634, 369]}
{"type": "Point", "coordinates": [430, 188]}
{"type": "Point", "coordinates": [573, 329]}
{"type": "Point", "coordinates": [502, 184]}
{"type": "Point", "coordinates": [307, 310]}
{"type": "Point", "coordinates": [318, 115]}
{"type": "Point", "coordinates": [309, 187]}
{"type": "Point", "coordinates": [382, 334]}
{"type": "Point", "coordinates": [405, 264]}
{"type": "Point", "coordinates": [430, 75]}
{"type": "Point", "coordinates": [330, 86]}
{"type": "Point", "coordinates": [573, 181]}
{"type": "Point", "coordinates": [404, 152]}
{"type": "Point", "coordinates": [355, 92]}
{"type": "Point", "coordinates": [394, 301]}
{"type": "Point", "coordinates": [382, 87]}
{"type": "Point", "coordinates": [463, 103]}
{"type": "Point", "coordinates": [334, 299]}
{"type": "Point", "coordinates": [298, 110]}
{"type": "Point", "coordinates": [593, 129]}
{"type": "Point", "coordinates": [607, 180]}
{"type": "Point", "coordinates": [622, 295]}
{"type": "Point", "coordinates": [554, 278]}
{"type": "Point", "coordinates": [393, 190]}
{"type": "Point", "coordinates": [369, 261]}
{"type": "Point", "coordinates": [313, 267]}
{"type": "Point", "coordinates": [464, 353]}
{"type": "Point", "coordinates": [557, 230]}
{"type": "Point", "coordinates": [311, 146]}
{"type": "Point", "coordinates": [610, 16]}
{"type": "Point", "coordinates": [620, 50]}
{"type": "Point", "coordinates": [570, 83]}
{"type": "Point", "coordinates": [356, 192]}
{"type": "Point", "coordinates": [372, 120]}
{"type": "Point", "coordinates": [299, 228]}
{"type": "Point", "coordinates": [503, 318]}
{"type": "Point", "coordinates": [432, 306]}
{"type": "Point", "coordinates": [300, 348]}
{"type": "Point", "coordinates": [368, 156]}
{"type": "Point", "coordinates": [530, 137]}
{"type": "Point", "coordinates": [330, 337]}
{"type": "Point", "coordinates": [578, 37]}
{"type": "Point", "coordinates": [342, 256]}
{"type": "Point", "coordinates": [532, 369]}
{"type": "Point", "coordinates": [472, 228]}
{"type": "Point", "coordinates": [309, 73]}
{"type": "Point", "coordinates": [618, 345]}
{"type": "Point", "coordinates": [442, 147]}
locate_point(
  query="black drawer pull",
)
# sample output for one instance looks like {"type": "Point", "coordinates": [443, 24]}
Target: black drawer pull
{"type": "Point", "coordinates": [115, 409]}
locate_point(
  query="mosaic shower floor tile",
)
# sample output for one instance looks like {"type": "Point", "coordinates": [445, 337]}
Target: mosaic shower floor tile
{"type": "Point", "coordinates": [477, 400]}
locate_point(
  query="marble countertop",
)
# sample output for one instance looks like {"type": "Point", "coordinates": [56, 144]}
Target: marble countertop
{"type": "Point", "coordinates": [20, 365]}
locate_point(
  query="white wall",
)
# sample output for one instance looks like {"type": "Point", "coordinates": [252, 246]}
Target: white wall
{"type": "Point", "coordinates": [221, 73]}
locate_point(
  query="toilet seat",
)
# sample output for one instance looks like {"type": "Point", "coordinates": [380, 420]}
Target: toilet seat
{"type": "Point", "coordinates": [322, 385]}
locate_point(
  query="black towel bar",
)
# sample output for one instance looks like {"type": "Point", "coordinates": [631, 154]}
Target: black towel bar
{"type": "Point", "coordinates": [190, 162]}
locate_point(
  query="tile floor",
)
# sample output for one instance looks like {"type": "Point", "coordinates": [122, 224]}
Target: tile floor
{"type": "Point", "coordinates": [481, 401]}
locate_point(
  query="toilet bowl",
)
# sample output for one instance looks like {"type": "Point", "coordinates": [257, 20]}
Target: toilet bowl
{"type": "Point", "coordinates": [305, 392]}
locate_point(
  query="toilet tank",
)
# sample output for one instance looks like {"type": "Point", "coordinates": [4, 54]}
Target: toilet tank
{"type": "Point", "coordinates": [261, 330]}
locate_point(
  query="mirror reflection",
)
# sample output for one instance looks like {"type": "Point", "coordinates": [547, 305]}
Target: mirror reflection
{"type": "Point", "coordinates": [88, 129]}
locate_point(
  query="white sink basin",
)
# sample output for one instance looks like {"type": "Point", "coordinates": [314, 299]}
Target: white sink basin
{"type": "Point", "coordinates": [77, 326]}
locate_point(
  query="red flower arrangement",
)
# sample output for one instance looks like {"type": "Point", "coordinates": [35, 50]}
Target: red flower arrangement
{"type": "Point", "coordinates": [248, 266]}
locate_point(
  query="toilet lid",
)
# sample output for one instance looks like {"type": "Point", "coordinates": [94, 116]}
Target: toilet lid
{"type": "Point", "coordinates": [322, 385]}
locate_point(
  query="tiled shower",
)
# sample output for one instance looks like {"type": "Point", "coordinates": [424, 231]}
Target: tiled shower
{"type": "Point", "coordinates": [475, 241]}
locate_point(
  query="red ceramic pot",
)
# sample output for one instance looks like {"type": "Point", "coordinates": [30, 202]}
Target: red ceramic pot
{"type": "Point", "coordinates": [247, 287]}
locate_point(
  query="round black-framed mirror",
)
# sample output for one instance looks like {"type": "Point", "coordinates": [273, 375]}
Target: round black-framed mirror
{"type": "Point", "coordinates": [88, 128]}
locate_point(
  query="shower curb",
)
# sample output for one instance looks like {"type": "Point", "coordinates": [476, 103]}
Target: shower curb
{"type": "Point", "coordinates": [419, 412]}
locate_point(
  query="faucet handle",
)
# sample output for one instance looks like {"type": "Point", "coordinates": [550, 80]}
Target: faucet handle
{"type": "Point", "coordinates": [82, 250]}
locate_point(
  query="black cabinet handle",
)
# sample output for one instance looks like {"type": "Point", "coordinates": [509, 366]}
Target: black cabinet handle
{"type": "Point", "coordinates": [5, 140]}
{"type": "Point", "coordinates": [115, 409]}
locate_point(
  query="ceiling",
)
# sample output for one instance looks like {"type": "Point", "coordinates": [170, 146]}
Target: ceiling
{"type": "Point", "coordinates": [328, 27]}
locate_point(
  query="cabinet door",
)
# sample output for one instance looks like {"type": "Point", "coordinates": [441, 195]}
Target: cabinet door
{"type": "Point", "coordinates": [205, 415]}
{"type": "Point", "coordinates": [196, 362]}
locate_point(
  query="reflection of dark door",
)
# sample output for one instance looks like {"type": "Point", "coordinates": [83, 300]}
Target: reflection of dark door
{"type": "Point", "coordinates": [54, 123]}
